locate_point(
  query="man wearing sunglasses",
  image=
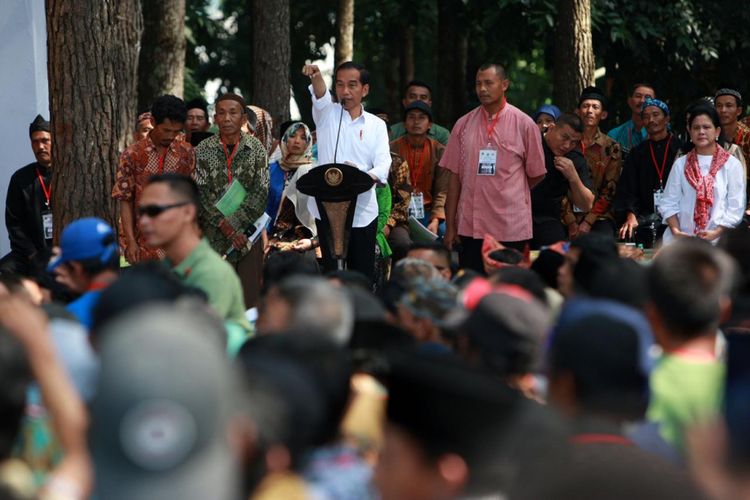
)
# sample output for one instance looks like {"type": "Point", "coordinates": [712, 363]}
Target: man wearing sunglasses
{"type": "Point", "coordinates": [168, 219]}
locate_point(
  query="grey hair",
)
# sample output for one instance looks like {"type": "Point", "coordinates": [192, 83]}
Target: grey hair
{"type": "Point", "coordinates": [318, 307]}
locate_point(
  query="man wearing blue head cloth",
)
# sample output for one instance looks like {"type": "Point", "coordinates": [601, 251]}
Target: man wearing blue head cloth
{"type": "Point", "coordinates": [645, 172]}
{"type": "Point", "coordinates": [87, 263]}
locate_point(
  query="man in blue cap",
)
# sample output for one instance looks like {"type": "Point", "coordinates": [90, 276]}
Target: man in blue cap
{"type": "Point", "coordinates": [87, 263]}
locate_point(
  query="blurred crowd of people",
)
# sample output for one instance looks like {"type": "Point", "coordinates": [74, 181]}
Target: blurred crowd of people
{"type": "Point", "coordinates": [488, 337]}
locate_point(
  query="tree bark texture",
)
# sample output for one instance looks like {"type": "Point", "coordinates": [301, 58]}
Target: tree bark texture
{"type": "Point", "coordinates": [452, 56]}
{"type": "Point", "coordinates": [574, 52]}
{"type": "Point", "coordinates": [407, 56]}
{"type": "Point", "coordinates": [92, 59]}
{"type": "Point", "coordinates": [345, 39]}
{"type": "Point", "coordinates": [161, 65]}
{"type": "Point", "coordinates": [271, 58]}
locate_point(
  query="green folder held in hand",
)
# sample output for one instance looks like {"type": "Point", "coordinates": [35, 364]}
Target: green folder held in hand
{"type": "Point", "coordinates": [232, 199]}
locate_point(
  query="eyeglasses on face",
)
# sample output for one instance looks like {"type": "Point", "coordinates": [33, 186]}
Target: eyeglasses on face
{"type": "Point", "coordinates": [156, 210]}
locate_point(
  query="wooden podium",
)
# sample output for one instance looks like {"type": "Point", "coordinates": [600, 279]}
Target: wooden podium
{"type": "Point", "coordinates": [335, 187]}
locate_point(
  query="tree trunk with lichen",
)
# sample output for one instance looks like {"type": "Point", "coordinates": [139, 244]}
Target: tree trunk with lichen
{"type": "Point", "coordinates": [92, 60]}
{"type": "Point", "coordinates": [271, 56]}
{"type": "Point", "coordinates": [161, 64]}
{"type": "Point", "coordinates": [345, 39]}
{"type": "Point", "coordinates": [574, 52]}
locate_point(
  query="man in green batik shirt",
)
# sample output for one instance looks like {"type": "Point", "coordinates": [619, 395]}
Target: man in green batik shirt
{"type": "Point", "coordinates": [233, 163]}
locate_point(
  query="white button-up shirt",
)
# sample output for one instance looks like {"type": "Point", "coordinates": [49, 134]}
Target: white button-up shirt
{"type": "Point", "coordinates": [363, 143]}
{"type": "Point", "coordinates": [729, 196]}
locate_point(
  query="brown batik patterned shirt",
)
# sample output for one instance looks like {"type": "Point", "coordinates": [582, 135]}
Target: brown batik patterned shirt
{"type": "Point", "coordinates": [249, 168]}
{"type": "Point", "coordinates": [139, 162]}
{"type": "Point", "coordinates": [400, 183]}
{"type": "Point", "coordinates": [604, 159]}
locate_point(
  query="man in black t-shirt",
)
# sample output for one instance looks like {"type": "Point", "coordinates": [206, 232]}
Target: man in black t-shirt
{"type": "Point", "coordinates": [567, 173]}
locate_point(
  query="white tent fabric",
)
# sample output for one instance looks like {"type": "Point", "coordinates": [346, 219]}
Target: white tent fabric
{"type": "Point", "coordinates": [24, 92]}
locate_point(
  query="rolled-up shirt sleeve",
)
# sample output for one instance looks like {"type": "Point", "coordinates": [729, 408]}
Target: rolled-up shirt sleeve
{"type": "Point", "coordinates": [321, 107]}
{"type": "Point", "coordinates": [670, 200]}
{"type": "Point", "coordinates": [535, 166]}
{"type": "Point", "coordinates": [736, 196]}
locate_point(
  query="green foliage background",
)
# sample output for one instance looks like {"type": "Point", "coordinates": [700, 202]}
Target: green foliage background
{"type": "Point", "coordinates": [686, 48]}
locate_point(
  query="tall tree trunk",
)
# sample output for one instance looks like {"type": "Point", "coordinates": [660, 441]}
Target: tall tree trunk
{"type": "Point", "coordinates": [574, 52]}
{"type": "Point", "coordinates": [407, 56]}
{"type": "Point", "coordinates": [392, 74]}
{"type": "Point", "coordinates": [92, 59]}
{"type": "Point", "coordinates": [271, 57]}
{"type": "Point", "coordinates": [345, 39]}
{"type": "Point", "coordinates": [452, 57]}
{"type": "Point", "coordinates": [161, 66]}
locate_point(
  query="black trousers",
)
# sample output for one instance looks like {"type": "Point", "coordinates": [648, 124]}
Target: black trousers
{"type": "Point", "coordinates": [361, 254]}
{"type": "Point", "coordinates": [470, 252]}
{"type": "Point", "coordinates": [548, 232]}
{"type": "Point", "coordinates": [399, 241]}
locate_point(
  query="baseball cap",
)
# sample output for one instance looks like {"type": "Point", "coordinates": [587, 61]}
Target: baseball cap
{"type": "Point", "coordinates": [419, 105]}
{"type": "Point", "coordinates": [603, 353]}
{"type": "Point", "coordinates": [508, 327]}
{"type": "Point", "coordinates": [163, 402]}
{"type": "Point", "coordinates": [87, 238]}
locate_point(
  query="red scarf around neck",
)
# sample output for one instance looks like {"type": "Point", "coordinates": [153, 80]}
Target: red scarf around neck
{"type": "Point", "coordinates": [704, 186]}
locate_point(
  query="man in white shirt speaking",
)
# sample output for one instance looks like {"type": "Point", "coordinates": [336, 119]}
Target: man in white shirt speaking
{"type": "Point", "coordinates": [348, 134]}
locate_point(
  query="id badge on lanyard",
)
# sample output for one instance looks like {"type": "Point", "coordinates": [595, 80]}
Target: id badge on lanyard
{"type": "Point", "coordinates": [47, 225]}
{"type": "Point", "coordinates": [487, 164]}
{"type": "Point", "coordinates": [416, 205]}
{"type": "Point", "coordinates": [658, 196]}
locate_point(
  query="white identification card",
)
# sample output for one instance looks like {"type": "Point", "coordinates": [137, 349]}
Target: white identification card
{"type": "Point", "coordinates": [658, 195]}
{"type": "Point", "coordinates": [47, 225]}
{"type": "Point", "coordinates": [487, 161]}
{"type": "Point", "coordinates": [416, 206]}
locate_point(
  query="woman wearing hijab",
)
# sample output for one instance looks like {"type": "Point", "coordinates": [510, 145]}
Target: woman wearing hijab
{"type": "Point", "coordinates": [705, 192]}
{"type": "Point", "coordinates": [293, 225]}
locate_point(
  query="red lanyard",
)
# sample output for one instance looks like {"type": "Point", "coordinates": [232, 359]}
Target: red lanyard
{"type": "Point", "coordinates": [415, 167]}
{"type": "Point", "coordinates": [660, 172]}
{"type": "Point", "coordinates": [601, 439]}
{"type": "Point", "coordinates": [491, 126]}
{"type": "Point", "coordinates": [230, 159]}
{"type": "Point", "coordinates": [161, 160]}
{"type": "Point", "coordinates": [47, 192]}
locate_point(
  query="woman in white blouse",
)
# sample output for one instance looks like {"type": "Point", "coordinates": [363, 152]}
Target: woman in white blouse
{"type": "Point", "coordinates": [705, 192]}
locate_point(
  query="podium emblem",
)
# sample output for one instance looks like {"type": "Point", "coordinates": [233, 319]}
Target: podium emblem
{"type": "Point", "coordinates": [334, 177]}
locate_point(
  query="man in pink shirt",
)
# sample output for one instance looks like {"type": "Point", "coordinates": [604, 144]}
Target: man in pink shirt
{"type": "Point", "coordinates": [495, 157]}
